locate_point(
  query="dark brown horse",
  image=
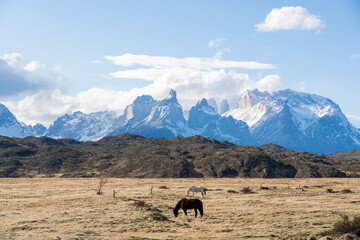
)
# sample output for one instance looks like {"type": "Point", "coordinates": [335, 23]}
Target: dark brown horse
{"type": "Point", "coordinates": [186, 204]}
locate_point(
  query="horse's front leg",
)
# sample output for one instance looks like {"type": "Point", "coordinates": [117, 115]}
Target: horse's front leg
{"type": "Point", "coordinates": [195, 212]}
{"type": "Point", "coordinates": [185, 213]}
{"type": "Point", "coordinates": [193, 193]}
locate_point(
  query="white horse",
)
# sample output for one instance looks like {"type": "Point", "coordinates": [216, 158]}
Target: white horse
{"type": "Point", "coordinates": [196, 189]}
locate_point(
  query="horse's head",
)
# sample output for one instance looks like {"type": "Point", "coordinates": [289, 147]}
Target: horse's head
{"type": "Point", "coordinates": [176, 212]}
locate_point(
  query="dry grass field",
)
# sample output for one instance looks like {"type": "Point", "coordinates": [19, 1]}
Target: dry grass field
{"type": "Point", "coordinates": [43, 208]}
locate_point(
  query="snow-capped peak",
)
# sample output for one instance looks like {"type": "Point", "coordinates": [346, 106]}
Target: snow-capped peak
{"type": "Point", "coordinates": [294, 120]}
{"type": "Point", "coordinates": [204, 106]}
{"type": "Point", "coordinates": [171, 96]}
{"type": "Point", "coordinates": [144, 99]}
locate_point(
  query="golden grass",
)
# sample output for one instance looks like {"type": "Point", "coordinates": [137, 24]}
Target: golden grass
{"type": "Point", "coordinates": [42, 208]}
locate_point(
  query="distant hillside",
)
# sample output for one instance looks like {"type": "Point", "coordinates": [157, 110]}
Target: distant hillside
{"type": "Point", "coordinates": [131, 155]}
{"type": "Point", "coordinates": [351, 155]}
{"type": "Point", "coordinates": [273, 148]}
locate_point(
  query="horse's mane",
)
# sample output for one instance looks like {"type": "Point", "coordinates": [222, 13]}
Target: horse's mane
{"type": "Point", "coordinates": [177, 207]}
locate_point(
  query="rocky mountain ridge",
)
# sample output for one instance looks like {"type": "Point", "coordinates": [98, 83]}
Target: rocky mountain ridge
{"type": "Point", "coordinates": [295, 120]}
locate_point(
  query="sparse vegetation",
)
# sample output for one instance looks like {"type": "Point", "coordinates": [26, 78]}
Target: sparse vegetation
{"type": "Point", "coordinates": [140, 204]}
{"type": "Point", "coordinates": [158, 216]}
{"type": "Point", "coordinates": [164, 187]}
{"type": "Point", "coordinates": [102, 181]}
{"type": "Point", "coordinates": [346, 191]}
{"type": "Point", "coordinates": [210, 189]}
{"type": "Point", "coordinates": [232, 191]}
{"type": "Point", "coordinates": [344, 226]}
{"type": "Point", "coordinates": [246, 190]}
{"type": "Point", "coordinates": [330, 190]}
{"type": "Point", "coordinates": [42, 208]}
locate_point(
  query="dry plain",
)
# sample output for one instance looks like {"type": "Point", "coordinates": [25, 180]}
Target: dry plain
{"type": "Point", "coordinates": [43, 208]}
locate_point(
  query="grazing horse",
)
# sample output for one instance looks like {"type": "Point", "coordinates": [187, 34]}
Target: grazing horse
{"type": "Point", "coordinates": [196, 189]}
{"type": "Point", "coordinates": [186, 204]}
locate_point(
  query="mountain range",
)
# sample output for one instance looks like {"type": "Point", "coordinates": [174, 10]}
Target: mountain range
{"type": "Point", "coordinates": [295, 120]}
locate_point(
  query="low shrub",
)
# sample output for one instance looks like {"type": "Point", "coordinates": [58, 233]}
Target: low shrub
{"type": "Point", "coordinates": [246, 190]}
{"type": "Point", "coordinates": [210, 189]}
{"type": "Point", "coordinates": [330, 190]}
{"type": "Point", "coordinates": [158, 216]}
{"type": "Point", "coordinates": [143, 205]}
{"type": "Point", "coordinates": [346, 191]}
{"type": "Point", "coordinates": [344, 226]}
{"type": "Point", "coordinates": [140, 204]}
{"type": "Point", "coordinates": [164, 187]}
{"type": "Point", "coordinates": [232, 191]}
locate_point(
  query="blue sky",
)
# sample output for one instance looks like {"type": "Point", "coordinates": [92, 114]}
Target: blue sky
{"type": "Point", "coordinates": [57, 57]}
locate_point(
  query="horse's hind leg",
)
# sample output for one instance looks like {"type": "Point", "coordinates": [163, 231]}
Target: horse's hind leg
{"type": "Point", "coordinates": [201, 211]}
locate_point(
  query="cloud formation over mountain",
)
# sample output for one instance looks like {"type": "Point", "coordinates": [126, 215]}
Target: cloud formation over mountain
{"type": "Point", "coordinates": [192, 77]}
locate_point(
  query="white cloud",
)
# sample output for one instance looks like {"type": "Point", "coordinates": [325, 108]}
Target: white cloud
{"type": "Point", "coordinates": [193, 78]}
{"type": "Point", "coordinates": [20, 75]}
{"type": "Point", "coordinates": [43, 107]}
{"type": "Point", "coordinates": [355, 56]}
{"type": "Point", "coordinates": [95, 61]}
{"type": "Point", "coordinates": [218, 42]}
{"type": "Point", "coordinates": [301, 86]}
{"type": "Point", "coordinates": [47, 105]}
{"type": "Point", "coordinates": [288, 18]}
{"type": "Point", "coordinates": [195, 63]}
{"type": "Point", "coordinates": [14, 60]}
{"type": "Point", "coordinates": [34, 66]}
{"type": "Point", "coordinates": [269, 82]}
{"type": "Point", "coordinates": [221, 52]}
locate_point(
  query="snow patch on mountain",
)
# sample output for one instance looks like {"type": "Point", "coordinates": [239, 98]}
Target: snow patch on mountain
{"type": "Point", "coordinates": [296, 120]}
{"type": "Point", "coordinates": [11, 127]}
{"type": "Point", "coordinates": [81, 126]}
